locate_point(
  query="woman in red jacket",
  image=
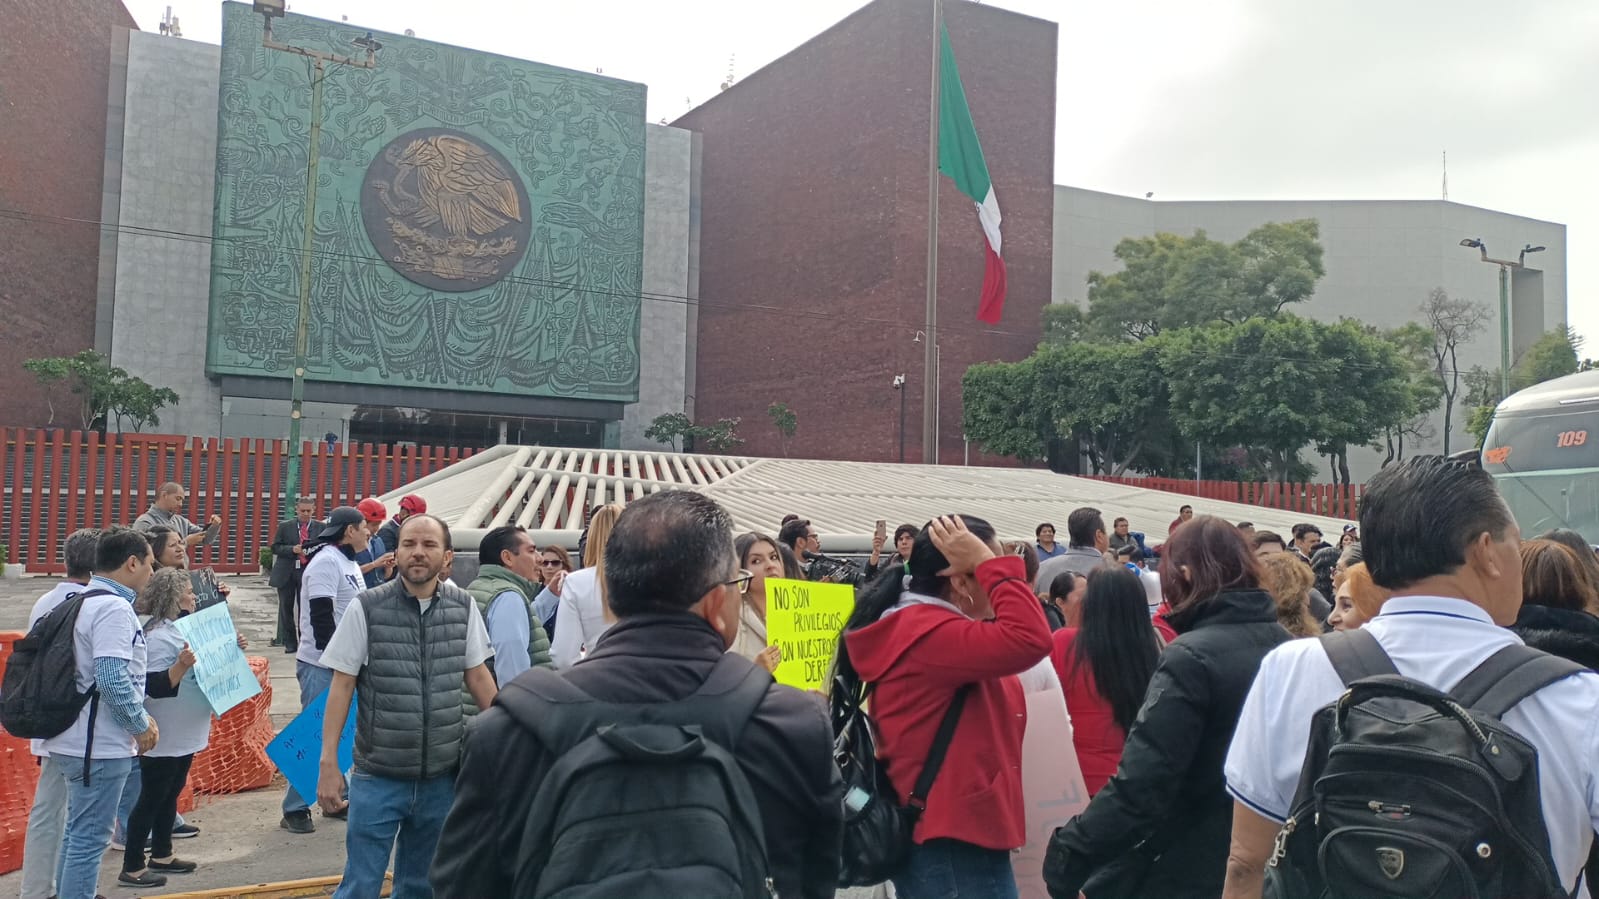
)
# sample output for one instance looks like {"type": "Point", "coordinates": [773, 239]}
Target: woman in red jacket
{"type": "Point", "coordinates": [1105, 665]}
{"type": "Point", "coordinates": [963, 615]}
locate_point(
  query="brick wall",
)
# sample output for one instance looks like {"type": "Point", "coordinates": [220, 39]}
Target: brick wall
{"type": "Point", "coordinates": [814, 228]}
{"type": "Point", "coordinates": [54, 61]}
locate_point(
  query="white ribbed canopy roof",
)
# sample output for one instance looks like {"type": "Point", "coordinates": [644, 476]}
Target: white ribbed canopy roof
{"type": "Point", "coordinates": [548, 490]}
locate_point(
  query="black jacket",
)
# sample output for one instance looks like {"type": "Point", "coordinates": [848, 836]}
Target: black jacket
{"type": "Point", "coordinates": [284, 571]}
{"type": "Point", "coordinates": [1568, 634]}
{"type": "Point", "coordinates": [1166, 816]}
{"type": "Point", "coordinates": [786, 753]}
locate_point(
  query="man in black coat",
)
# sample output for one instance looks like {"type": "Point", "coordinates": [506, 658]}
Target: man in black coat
{"type": "Point", "coordinates": [288, 561]}
{"type": "Point", "coordinates": [671, 578]}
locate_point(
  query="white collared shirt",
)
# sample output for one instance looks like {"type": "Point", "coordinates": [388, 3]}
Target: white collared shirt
{"type": "Point", "coordinates": [1437, 641]}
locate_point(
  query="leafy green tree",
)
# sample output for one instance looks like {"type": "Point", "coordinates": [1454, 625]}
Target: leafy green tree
{"type": "Point", "coordinates": [104, 393]}
{"type": "Point", "coordinates": [719, 437]}
{"type": "Point", "coordinates": [1452, 323]}
{"type": "Point", "coordinates": [1111, 398]}
{"type": "Point", "coordinates": [1169, 281]}
{"type": "Point", "coordinates": [669, 428]}
{"type": "Point", "coordinates": [999, 413]}
{"type": "Point", "coordinates": [785, 421]}
{"type": "Point", "coordinates": [1063, 324]}
{"type": "Point", "coordinates": [1413, 342]}
{"type": "Point", "coordinates": [1553, 355]}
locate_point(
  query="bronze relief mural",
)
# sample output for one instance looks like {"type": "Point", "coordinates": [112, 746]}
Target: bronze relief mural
{"type": "Point", "coordinates": [479, 221]}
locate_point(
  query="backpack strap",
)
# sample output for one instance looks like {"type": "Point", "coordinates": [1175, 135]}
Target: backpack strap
{"type": "Point", "coordinates": [935, 753]}
{"type": "Point", "coordinates": [729, 697]}
{"type": "Point", "coordinates": [1509, 676]}
{"type": "Point", "coordinates": [1356, 654]}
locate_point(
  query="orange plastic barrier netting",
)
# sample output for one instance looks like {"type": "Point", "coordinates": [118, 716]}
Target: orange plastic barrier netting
{"type": "Point", "coordinates": [236, 758]}
{"type": "Point", "coordinates": [235, 761]}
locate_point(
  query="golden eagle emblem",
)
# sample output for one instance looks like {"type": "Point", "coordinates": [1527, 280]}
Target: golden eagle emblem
{"type": "Point", "coordinates": [445, 210]}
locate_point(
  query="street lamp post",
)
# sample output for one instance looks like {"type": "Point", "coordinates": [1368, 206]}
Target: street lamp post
{"type": "Point", "coordinates": [1505, 265]}
{"type": "Point", "coordinates": [899, 387]}
{"type": "Point", "coordinates": [269, 10]}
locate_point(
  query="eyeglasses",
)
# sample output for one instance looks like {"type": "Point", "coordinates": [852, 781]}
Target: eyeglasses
{"type": "Point", "coordinates": [741, 581]}
{"type": "Point", "coordinates": [551, 563]}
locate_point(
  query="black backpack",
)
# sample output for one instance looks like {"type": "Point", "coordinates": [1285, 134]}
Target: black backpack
{"type": "Point", "coordinates": [36, 700]}
{"type": "Point", "coordinates": [644, 799]}
{"type": "Point", "coordinates": [878, 828]}
{"type": "Point", "coordinates": [1407, 791]}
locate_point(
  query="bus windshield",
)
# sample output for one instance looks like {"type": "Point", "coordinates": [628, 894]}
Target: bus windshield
{"type": "Point", "coordinates": [1547, 466]}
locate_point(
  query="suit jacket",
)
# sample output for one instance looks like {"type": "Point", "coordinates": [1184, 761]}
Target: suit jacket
{"type": "Point", "coordinates": [284, 571]}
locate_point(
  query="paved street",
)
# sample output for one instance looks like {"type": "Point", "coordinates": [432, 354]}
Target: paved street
{"type": "Point", "coordinates": [240, 841]}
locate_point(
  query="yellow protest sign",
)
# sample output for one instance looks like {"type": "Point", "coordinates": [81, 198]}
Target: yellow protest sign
{"type": "Point", "coordinates": [805, 618]}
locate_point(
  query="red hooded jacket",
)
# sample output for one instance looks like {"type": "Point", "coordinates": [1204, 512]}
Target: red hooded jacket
{"type": "Point", "coordinates": [917, 658]}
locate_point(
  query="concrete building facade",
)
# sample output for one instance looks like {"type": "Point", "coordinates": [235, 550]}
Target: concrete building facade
{"type": "Point", "coordinates": [1382, 257]}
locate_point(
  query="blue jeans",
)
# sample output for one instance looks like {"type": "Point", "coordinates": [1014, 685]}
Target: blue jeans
{"type": "Point", "coordinates": [947, 869]}
{"type": "Point", "coordinates": [380, 808]}
{"type": "Point", "coordinates": [91, 811]}
{"type": "Point", "coordinates": [47, 822]}
{"type": "Point", "coordinates": [314, 681]}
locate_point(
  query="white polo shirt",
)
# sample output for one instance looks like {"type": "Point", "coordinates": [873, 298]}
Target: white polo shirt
{"type": "Point", "coordinates": [1437, 641]}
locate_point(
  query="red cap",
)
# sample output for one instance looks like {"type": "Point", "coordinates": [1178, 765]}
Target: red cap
{"type": "Point", "coordinates": [414, 504]}
{"type": "Point", "coordinates": [372, 510]}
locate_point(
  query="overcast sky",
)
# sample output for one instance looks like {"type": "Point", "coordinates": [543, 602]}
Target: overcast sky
{"type": "Point", "coordinates": [1229, 99]}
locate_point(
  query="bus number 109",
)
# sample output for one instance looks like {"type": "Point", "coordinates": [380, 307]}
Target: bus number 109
{"type": "Point", "coordinates": [1571, 438]}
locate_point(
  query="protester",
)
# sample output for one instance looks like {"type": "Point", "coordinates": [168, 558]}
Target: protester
{"type": "Point", "coordinates": [1307, 539]}
{"type": "Point", "coordinates": [757, 554]}
{"type": "Point", "coordinates": [1105, 664]}
{"type": "Point", "coordinates": [504, 590]}
{"type": "Point", "coordinates": [184, 717]}
{"type": "Point", "coordinates": [1358, 600]}
{"type": "Point", "coordinates": [904, 539]}
{"type": "Point", "coordinates": [554, 566]}
{"type": "Point", "coordinates": [288, 564]}
{"type": "Point", "coordinates": [1267, 542]}
{"type": "Point", "coordinates": [954, 634]}
{"type": "Point", "coordinates": [584, 613]}
{"type": "Point", "coordinates": [1583, 551]}
{"type": "Point", "coordinates": [331, 582]}
{"type": "Point", "coordinates": [1086, 553]}
{"type": "Point", "coordinates": [1351, 556]}
{"type": "Point", "coordinates": [1443, 542]}
{"type": "Point", "coordinates": [1556, 596]}
{"type": "Point", "coordinates": [1185, 514]}
{"type": "Point", "coordinates": [406, 650]}
{"type": "Point", "coordinates": [377, 560]}
{"type": "Point", "coordinates": [1246, 529]}
{"type": "Point", "coordinates": [1029, 554]}
{"type": "Point", "coordinates": [1046, 545]}
{"type": "Point", "coordinates": [1159, 827]}
{"type": "Point", "coordinates": [47, 818]}
{"type": "Point", "coordinates": [167, 549]}
{"type": "Point", "coordinates": [801, 540]}
{"type": "Point", "coordinates": [166, 512]}
{"type": "Point", "coordinates": [673, 582]}
{"type": "Point", "coordinates": [1322, 565]}
{"type": "Point", "coordinates": [410, 504]}
{"type": "Point", "coordinates": [1065, 598]}
{"type": "Point", "coordinates": [1121, 537]}
{"type": "Point", "coordinates": [1288, 580]}
{"type": "Point", "coordinates": [109, 652]}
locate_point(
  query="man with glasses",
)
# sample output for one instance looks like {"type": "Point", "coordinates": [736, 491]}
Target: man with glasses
{"type": "Point", "coordinates": [504, 589]}
{"type": "Point", "coordinates": [167, 511]}
{"type": "Point", "coordinates": [672, 580]}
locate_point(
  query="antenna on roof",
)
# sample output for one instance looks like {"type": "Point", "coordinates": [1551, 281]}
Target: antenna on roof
{"type": "Point", "coordinates": [729, 82]}
{"type": "Point", "coordinates": [1446, 174]}
{"type": "Point", "coordinates": [169, 24]}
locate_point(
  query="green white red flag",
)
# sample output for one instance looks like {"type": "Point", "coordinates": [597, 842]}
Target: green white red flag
{"type": "Point", "coordinates": [960, 156]}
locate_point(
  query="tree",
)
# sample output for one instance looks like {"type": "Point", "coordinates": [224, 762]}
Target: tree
{"type": "Point", "coordinates": [719, 437]}
{"type": "Point", "coordinates": [105, 393]}
{"type": "Point", "coordinates": [1553, 355]}
{"type": "Point", "coordinates": [1112, 398]}
{"type": "Point", "coordinates": [1452, 323]}
{"type": "Point", "coordinates": [669, 428]}
{"type": "Point", "coordinates": [1413, 342]}
{"type": "Point", "coordinates": [998, 411]}
{"type": "Point", "coordinates": [786, 422]}
{"type": "Point", "coordinates": [1063, 323]}
{"type": "Point", "coordinates": [1169, 281]}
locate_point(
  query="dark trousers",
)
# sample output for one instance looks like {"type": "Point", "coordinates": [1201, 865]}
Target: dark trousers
{"type": "Point", "coordinates": [156, 809]}
{"type": "Point", "coordinates": [289, 614]}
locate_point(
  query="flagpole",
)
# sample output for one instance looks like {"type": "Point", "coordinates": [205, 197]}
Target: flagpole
{"type": "Point", "coordinates": [930, 398]}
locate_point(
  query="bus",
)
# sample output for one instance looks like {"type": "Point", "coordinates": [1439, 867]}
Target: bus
{"type": "Point", "coordinates": [1543, 450]}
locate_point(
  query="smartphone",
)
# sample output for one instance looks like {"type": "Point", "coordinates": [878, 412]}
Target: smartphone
{"type": "Point", "coordinates": [882, 530]}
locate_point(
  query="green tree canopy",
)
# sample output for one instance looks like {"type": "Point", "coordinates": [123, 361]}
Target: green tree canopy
{"type": "Point", "coordinates": [105, 393]}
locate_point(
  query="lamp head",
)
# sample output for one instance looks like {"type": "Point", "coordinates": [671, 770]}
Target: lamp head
{"type": "Point", "coordinates": [272, 9]}
{"type": "Point", "coordinates": [1474, 243]}
{"type": "Point", "coordinates": [1529, 248]}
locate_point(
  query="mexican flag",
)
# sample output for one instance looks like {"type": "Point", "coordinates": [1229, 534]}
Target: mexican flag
{"type": "Point", "coordinates": [960, 157]}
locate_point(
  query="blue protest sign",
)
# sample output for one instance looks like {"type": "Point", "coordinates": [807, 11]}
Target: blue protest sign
{"type": "Point", "coordinates": [220, 668]}
{"type": "Point", "coordinates": [297, 749]}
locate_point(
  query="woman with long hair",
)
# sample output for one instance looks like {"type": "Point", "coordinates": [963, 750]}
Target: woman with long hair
{"type": "Point", "coordinates": [1289, 580]}
{"type": "Point", "coordinates": [1557, 593]}
{"type": "Point", "coordinates": [167, 549]}
{"type": "Point", "coordinates": [953, 632]}
{"type": "Point", "coordinates": [757, 554]}
{"type": "Point", "coordinates": [583, 614]}
{"type": "Point", "coordinates": [1162, 824]}
{"type": "Point", "coordinates": [1105, 663]}
{"type": "Point", "coordinates": [183, 716]}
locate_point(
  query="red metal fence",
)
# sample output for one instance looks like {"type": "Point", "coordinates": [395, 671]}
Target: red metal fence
{"type": "Point", "coordinates": [58, 481]}
{"type": "Point", "coordinates": [1331, 500]}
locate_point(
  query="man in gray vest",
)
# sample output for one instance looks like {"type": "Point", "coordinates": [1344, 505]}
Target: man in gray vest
{"type": "Point", "coordinates": [508, 560]}
{"type": "Point", "coordinates": [406, 650]}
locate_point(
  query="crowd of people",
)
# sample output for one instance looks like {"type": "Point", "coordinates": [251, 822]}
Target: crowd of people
{"type": "Point", "coordinates": [614, 728]}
